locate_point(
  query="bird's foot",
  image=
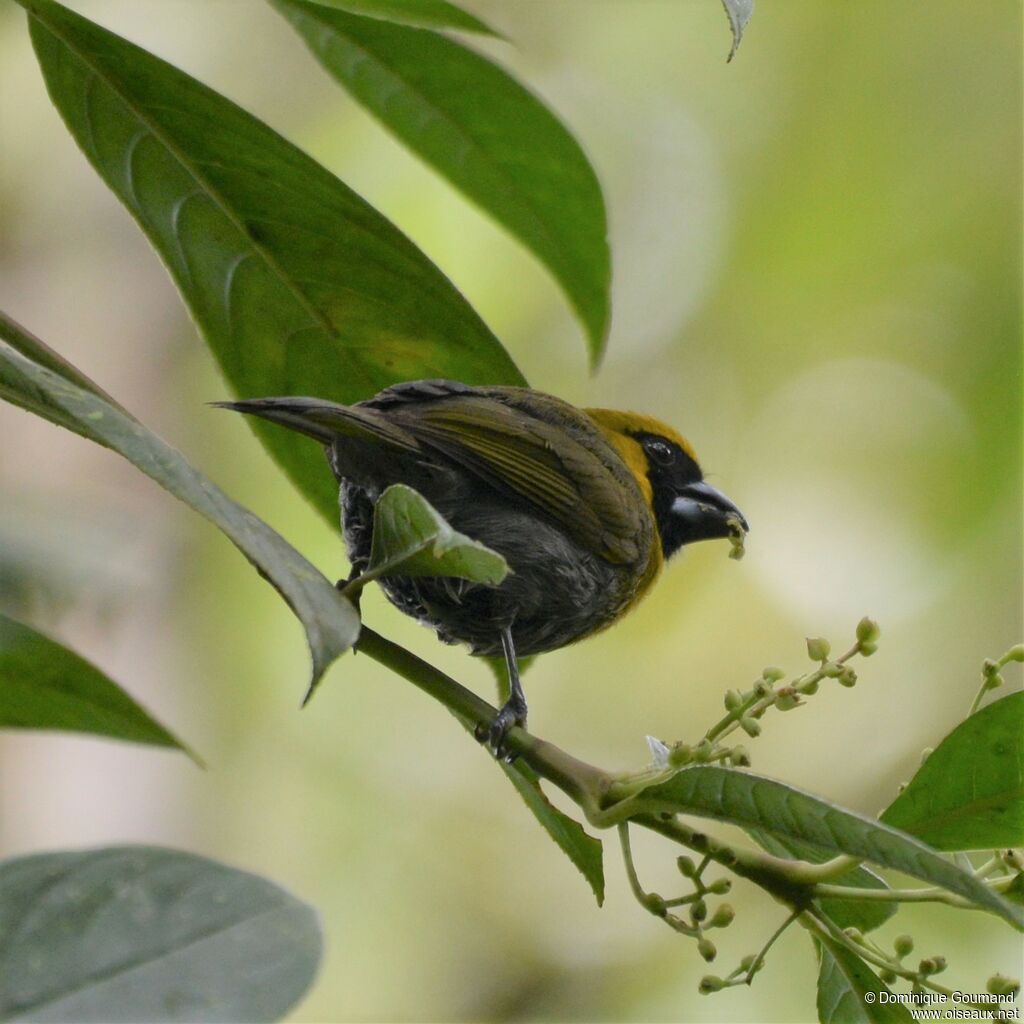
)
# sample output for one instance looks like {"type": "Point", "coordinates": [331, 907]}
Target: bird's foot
{"type": "Point", "coordinates": [513, 713]}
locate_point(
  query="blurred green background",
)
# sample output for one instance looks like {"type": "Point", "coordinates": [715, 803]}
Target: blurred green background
{"type": "Point", "coordinates": [817, 279]}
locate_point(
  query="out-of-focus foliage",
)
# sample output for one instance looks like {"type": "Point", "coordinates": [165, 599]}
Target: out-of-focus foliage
{"type": "Point", "coordinates": [147, 934]}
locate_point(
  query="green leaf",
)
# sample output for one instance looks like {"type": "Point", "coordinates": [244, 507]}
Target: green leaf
{"type": "Point", "coordinates": [584, 850]}
{"type": "Point", "coordinates": [45, 686]}
{"type": "Point", "coordinates": [424, 13]}
{"type": "Point", "coordinates": [330, 621]}
{"type": "Point", "coordinates": [146, 934]}
{"type": "Point", "coordinates": [298, 286]}
{"type": "Point", "coordinates": [969, 793]}
{"type": "Point", "coordinates": [739, 13]}
{"type": "Point", "coordinates": [843, 983]}
{"type": "Point", "coordinates": [411, 538]}
{"type": "Point", "coordinates": [490, 137]}
{"type": "Point", "coordinates": [863, 914]}
{"type": "Point", "coordinates": [752, 801]}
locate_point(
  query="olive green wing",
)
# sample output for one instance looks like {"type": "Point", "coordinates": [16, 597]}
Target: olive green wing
{"type": "Point", "coordinates": [569, 478]}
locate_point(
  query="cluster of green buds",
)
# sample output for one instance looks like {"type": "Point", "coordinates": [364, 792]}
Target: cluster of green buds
{"type": "Point", "coordinates": [991, 668]}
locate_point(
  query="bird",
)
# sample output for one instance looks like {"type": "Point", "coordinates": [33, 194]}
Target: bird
{"type": "Point", "coordinates": [586, 505]}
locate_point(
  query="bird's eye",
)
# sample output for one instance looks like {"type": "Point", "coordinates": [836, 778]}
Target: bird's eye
{"type": "Point", "coordinates": [660, 453]}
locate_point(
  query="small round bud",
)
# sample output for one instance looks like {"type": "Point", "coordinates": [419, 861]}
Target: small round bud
{"type": "Point", "coordinates": [748, 962]}
{"type": "Point", "coordinates": [1015, 653]}
{"type": "Point", "coordinates": [722, 917]}
{"type": "Point", "coordinates": [932, 965]}
{"type": "Point", "coordinates": [786, 699]}
{"type": "Point", "coordinates": [698, 911]}
{"type": "Point", "coordinates": [818, 648]}
{"type": "Point", "coordinates": [655, 904]}
{"type": "Point", "coordinates": [773, 674]}
{"type": "Point", "coordinates": [720, 886]}
{"type": "Point", "coordinates": [1001, 985]}
{"type": "Point", "coordinates": [686, 867]}
{"type": "Point", "coordinates": [867, 631]}
{"type": "Point", "coordinates": [680, 754]}
{"type": "Point", "coordinates": [904, 945]}
{"type": "Point", "coordinates": [1012, 859]}
{"type": "Point", "coordinates": [926, 753]}
{"type": "Point", "coordinates": [733, 699]}
{"type": "Point", "coordinates": [810, 687]}
{"type": "Point", "coordinates": [709, 983]}
{"type": "Point", "coordinates": [989, 667]}
{"type": "Point", "coordinates": [856, 934]}
{"type": "Point", "coordinates": [762, 688]}
{"type": "Point", "coordinates": [739, 758]}
{"type": "Point", "coordinates": [867, 648]}
{"type": "Point", "coordinates": [993, 682]}
{"type": "Point", "coordinates": [707, 950]}
{"type": "Point", "coordinates": [832, 669]}
{"type": "Point", "coordinates": [887, 976]}
{"type": "Point", "coordinates": [703, 752]}
{"type": "Point", "coordinates": [848, 677]}
{"type": "Point", "coordinates": [751, 726]}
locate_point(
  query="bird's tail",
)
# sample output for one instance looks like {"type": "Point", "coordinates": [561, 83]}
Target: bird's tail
{"type": "Point", "coordinates": [324, 421]}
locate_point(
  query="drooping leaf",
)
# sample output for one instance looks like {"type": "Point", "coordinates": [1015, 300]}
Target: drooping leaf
{"type": "Point", "coordinates": [298, 286]}
{"type": "Point", "coordinates": [969, 793]}
{"type": "Point", "coordinates": [330, 621]}
{"type": "Point", "coordinates": [43, 685]}
{"type": "Point", "coordinates": [424, 13]}
{"type": "Point", "coordinates": [752, 801]}
{"type": "Point", "coordinates": [739, 12]}
{"type": "Point", "coordinates": [844, 981]}
{"type": "Point", "coordinates": [490, 137]}
{"type": "Point", "coordinates": [583, 849]}
{"type": "Point", "coordinates": [863, 914]}
{"type": "Point", "coordinates": [411, 538]}
{"type": "Point", "coordinates": [139, 933]}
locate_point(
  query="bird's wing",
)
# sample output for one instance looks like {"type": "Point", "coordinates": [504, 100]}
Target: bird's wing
{"type": "Point", "coordinates": [538, 461]}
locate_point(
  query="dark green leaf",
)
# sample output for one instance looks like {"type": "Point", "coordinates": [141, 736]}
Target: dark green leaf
{"type": "Point", "coordinates": [843, 982]}
{"type": "Point", "coordinates": [969, 793]}
{"type": "Point", "coordinates": [298, 285]}
{"type": "Point", "coordinates": [411, 538]}
{"type": "Point", "coordinates": [424, 13]}
{"type": "Point", "coordinates": [863, 914]}
{"type": "Point", "coordinates": [330, 621]}
{"type": "Point", "coordinates": [138, 933]}
{"type": "Point", "coordinates": [484, 132]}
{"type": "Point", "coordinates": [585, 851]}
{"type": "Point", "coordinates": [752, 801]}
{"type": "Point", "coordinates": [45, 686]}
{"type": "Point", "coordinates": [739, 12]}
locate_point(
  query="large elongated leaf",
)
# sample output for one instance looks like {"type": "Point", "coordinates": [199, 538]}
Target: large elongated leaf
{"type": "Point", "coordinates": [411, 538]}
{"type": "Point", "coordinates": [330, 621]}
{"type": "Point", "coordinates": [43, 685]}
{"type": "Point", "coordinates": [138, 933]}
{"type": "Point", "coordinates": [483, 131]}
{"type": "Point", "coordinates": [752, 801]}
{"type": "Point", "coordinates": [863, 914]}
{"type": "Point", "coordinates": [969, 793]}
{"type": "Point", "coordinates": [298, 286]}
{"type": "Point", "coordinates": [844, 984]}
{"type": "Point", "coordinates": [425, 13]}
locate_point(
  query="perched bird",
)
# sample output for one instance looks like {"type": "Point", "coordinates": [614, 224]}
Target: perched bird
{"type": "Point", "coordinates": [584, 504]}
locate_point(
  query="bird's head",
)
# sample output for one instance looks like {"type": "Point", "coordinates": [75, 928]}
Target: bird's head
{"type": "Point", "coordinates": [685, 507]}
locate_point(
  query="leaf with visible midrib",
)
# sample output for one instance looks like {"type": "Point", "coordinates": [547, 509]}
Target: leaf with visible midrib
{"type": "Point", "coordinates": [748, 800]}
{"type": "Point", "coordinates": [298, 285]}
{"type": "Point", "coordinates": [425, 13]}
{"type": "Point", "coordinates": [139, 933]}
{"type": "Point", "coordinates": [490, 137]}
{"type": "Point", "coordinates": [843, 981]}
{"type": "Point", "coordinates": [62, 395]}
{"type": "Point", "coordinates": [969, 793]}
{"type": "Point", "coordinates": [43, 685]}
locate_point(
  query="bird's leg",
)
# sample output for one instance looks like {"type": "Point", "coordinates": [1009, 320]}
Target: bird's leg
{"type": "Point", "coordinates": [353, 575]}
{"type": "Point", "coordinates": [513, 711]}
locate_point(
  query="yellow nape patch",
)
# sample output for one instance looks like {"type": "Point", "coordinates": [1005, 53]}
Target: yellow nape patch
{"type": "Point", "coordinates": [619, 426]}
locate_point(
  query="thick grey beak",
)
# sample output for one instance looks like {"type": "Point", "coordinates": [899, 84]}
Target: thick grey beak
{"type": "Point", "coordinates": [705, 513]}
